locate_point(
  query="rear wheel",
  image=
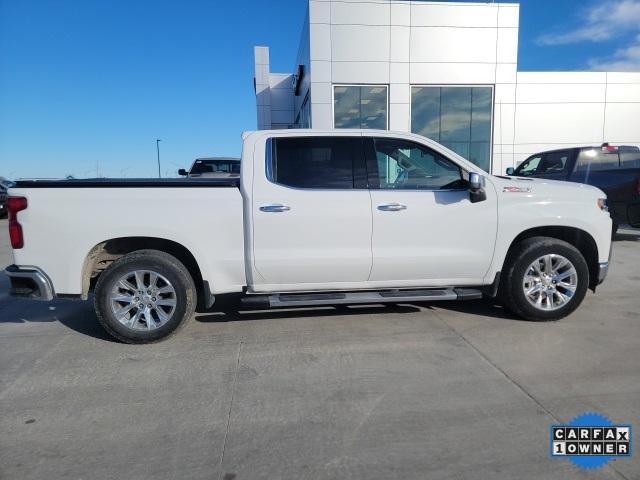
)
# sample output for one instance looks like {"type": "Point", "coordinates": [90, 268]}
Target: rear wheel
{"type": "Point", "coordinates": [144, 297]}
{"type": "Point", "coordinates": [545, 279]}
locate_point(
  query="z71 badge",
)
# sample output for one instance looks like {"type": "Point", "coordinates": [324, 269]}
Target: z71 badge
{"type": "Point", "coordinates": [516, 189]}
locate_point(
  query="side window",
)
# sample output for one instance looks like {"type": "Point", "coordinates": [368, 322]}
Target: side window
{"type": "Point", "coordinates": [629, 158]}
{"type": "Point", "coordinates": [555, 162]}
{"type": "Point", "coordinates": [313, 162]}
{"type": "Point", "coordinates": [595, 159]}
{"type": "Point", "coordinates": [406, 165]}
{"type": "Point", "coordinates": [528, 167]}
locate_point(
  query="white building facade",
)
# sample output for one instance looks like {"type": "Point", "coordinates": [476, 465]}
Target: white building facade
{"type": "Point", "coordinates": [447, 71]}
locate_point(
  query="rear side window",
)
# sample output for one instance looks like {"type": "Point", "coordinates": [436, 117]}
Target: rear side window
{"type": "Point", "coordinates": [314, 162]}
{"type": "Point", "coordinates": [595, 159]}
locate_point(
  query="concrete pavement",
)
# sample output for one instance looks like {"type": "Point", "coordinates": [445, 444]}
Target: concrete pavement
{"type": "Point", "coordinates": [456, 390]}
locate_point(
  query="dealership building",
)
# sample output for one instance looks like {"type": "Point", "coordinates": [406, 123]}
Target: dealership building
{"type": "Point", "coordinates": [448, 71]}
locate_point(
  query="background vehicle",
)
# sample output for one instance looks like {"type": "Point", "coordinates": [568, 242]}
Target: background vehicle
{"type": "Point", "coordinates": [3, 201]}
{"type": "Point", "coordinates": [316, 218]}
{"type": "Point", "coordinates": [213, 167]}
{"type": "Point", "coordinates": [614, 170]}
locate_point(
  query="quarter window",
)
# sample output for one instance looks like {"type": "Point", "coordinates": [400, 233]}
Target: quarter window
{"type": "Point", "coordinates": [314, 162]}
{"type": "Point", "coordinates": [406, 165]}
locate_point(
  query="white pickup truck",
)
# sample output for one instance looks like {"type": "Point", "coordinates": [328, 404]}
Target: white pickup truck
{"type": "Point", "coordinates": [316, 218]}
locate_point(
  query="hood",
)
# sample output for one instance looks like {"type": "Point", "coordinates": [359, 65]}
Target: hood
{"type": "Point", "coordinates": [544, 187]}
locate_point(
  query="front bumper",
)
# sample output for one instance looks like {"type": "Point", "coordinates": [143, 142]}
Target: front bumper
{"type": "Point", "coordinates": [29, 282]}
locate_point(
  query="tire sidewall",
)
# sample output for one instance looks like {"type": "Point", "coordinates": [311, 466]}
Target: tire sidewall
{"type": "Point", "coordinates": [521, 266]}
{"type": "Point", "coordinates": [174, 272]}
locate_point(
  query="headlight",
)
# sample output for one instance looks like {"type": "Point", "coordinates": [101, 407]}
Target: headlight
{"type": "Point", "coordinates": [602, 204]}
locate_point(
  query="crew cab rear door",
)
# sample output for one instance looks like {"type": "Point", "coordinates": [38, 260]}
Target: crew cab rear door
{"type": "Point", "coordinates": [311, 214]}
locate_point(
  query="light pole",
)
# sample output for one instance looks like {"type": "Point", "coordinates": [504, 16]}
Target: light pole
{"type": "Point", "coordinates": [158, 140]}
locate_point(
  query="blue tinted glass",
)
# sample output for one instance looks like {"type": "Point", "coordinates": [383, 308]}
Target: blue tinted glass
{"type": "Point", "coordinates": [460, 118]}
{"type": "Point", "coordinates": [481, 114]}
{"type": "Point", "coordinates": [373, 107]}
{"type": "Point", "coordinates": [461, 148]}
{"type": "Point", "coordinates": [360, 106]}
{"type": "Point", "coordinates": [425, 112]}
{"type": "Point", "coordinates": [479, 154]}
{"type": "Point", "coordinates": [346, 107]}
{"type": "Point", "coordinates": [455, 111]}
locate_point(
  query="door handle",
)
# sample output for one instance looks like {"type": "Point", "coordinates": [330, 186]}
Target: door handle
{"type": "Point", "coordinates": [392, 207]}
{"type": "Point", "coordinates": [275, 207]}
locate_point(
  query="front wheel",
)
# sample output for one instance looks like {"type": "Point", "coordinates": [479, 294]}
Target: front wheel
{"type": "Point", "coordinates": [144, 297]}
{"type": "Point", "coordinates": [545, 279]}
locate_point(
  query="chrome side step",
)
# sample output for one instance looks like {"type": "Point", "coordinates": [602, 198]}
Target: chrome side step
{"type": "Point", "coordinates": [337, 298]}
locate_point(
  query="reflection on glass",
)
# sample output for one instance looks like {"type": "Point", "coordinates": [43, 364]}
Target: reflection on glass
{"type": "Point", "coordinates": [455, 114]}
{"type": "Point", "coordinates": [360, 106]}
{"type": "Point", "coordinates": [458, 117]}
{"type": "Point", "coordinates": [425, 113]}
{"type": "Point", "coordinates": [481, 114]}
{"type": "Point", "coordinates": [479, 154]}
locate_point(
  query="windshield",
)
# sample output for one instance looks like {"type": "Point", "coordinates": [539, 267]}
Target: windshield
{"type": "Point", "coordinates": [215, 166]}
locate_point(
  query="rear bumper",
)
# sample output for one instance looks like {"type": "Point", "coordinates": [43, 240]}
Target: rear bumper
{"type": "Point", "coordinates": [29, 282]}
{"type": "Point", "coordinates": [603, 269]}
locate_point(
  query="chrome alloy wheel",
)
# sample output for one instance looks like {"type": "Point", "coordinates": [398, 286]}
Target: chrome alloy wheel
{"type": "Point", "coordinates": [550, 282]}
{"type": "Point", "coordinates": [143, 300]}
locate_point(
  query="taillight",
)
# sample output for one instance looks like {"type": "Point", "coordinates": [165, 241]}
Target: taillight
{"type": "Point", "coordinates": [15, 205]}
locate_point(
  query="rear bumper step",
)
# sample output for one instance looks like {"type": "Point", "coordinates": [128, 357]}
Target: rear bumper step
{"type": "Point", "coordinates": [338, 298]}
{"type": "Point", "coordinates": [29, 282]}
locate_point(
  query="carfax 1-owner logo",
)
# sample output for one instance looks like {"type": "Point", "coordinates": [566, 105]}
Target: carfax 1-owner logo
{"type": "Point", "coordinates": [591, 440]}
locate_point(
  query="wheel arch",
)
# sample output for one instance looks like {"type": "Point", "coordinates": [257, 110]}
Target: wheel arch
{"type": "Point", "coordinates": [106, 252]}
{"type": "Point", "coordinates": [577, 237]}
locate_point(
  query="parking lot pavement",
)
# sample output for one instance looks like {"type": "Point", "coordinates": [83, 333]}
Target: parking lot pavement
{"type": "Point", "coordinates": [456, 390]}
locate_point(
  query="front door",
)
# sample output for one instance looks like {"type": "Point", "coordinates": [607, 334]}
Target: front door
{"type": "Point", "coordinates": [311, 214]}
{"type": "Point", "coordinates": [425, 229]}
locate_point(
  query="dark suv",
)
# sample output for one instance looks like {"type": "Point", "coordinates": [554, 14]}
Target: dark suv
{"type": "Point", "coordinates": [614, 170]}
{"type": "Point", "coordinates": [3, 201]}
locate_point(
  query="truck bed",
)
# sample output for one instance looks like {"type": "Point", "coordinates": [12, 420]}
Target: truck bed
{"type": "Point", "coordinates": [131, 183]}
{"type": "Point", "coordinates": [66, 219]}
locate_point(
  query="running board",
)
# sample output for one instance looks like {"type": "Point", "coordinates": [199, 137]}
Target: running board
{"type": "Point", "coordinates": [336, 298]}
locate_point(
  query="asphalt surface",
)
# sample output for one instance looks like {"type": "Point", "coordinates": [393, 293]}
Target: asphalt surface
{"type": "Point", "coordinates": [455, 390]}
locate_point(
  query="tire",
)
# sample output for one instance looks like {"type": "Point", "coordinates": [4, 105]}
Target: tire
{"type": "Point", "coordinates": [171, 297]}
{"type": "Point", "coordinates": [520, 263]}
{"type": "Point", "coordinates": [614, 229]}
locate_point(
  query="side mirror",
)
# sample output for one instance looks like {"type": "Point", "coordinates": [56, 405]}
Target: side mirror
{"type": "Point", "coordinates": [510, 171]}
{"type": "Point", "coordinates": [182, 172]}
{"type": "Point", "coordinates": [476, 188]}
